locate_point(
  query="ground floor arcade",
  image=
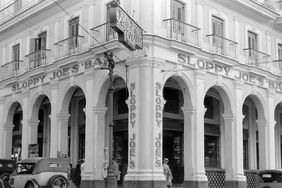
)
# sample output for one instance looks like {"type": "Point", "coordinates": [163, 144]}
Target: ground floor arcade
{"type": "Point", "coordinates": [210, 127]}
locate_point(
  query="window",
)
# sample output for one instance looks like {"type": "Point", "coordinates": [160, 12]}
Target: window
{"type": "Point", "coordinates": [16, 56]}
{"type": "Point", "coordinates": [37, 50]}
{"type": "Point", "coordinates": [252, 45]}
{"type": "Point", "coordinates": [280, 53]}
{"type": "Point", "coordinates": [217, 31]}
{"type": "Point", "coordinates": [110, 33]}
{"type": "Point", "coordinates": [177, 10]}
{"type": "Point", "coordinates": [73, 32]}
{"type": "Point", "coordinates": [177, 16]}
{"type": "Point", "coordinates": [17, 5]}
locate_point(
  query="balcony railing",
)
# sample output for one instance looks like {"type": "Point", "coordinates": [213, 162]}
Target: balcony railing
{"type": "Point", "coordinates": [69, 46]}
{"type": "Point", "coordinates": [12, 68]}
{"type": "Point", "coordinates": [216, 178]}
{"type": "Point", "coordinates": [222, 46]}
{"type": "Point", "coordinates": [258, 59]}
{"type": "Point", "coordinates": [15, 8]}
{"type": "Point", "coordinates": [38, 58]}
{"type": "Point", "coordinates": [103, 33]}
{"type": "Point", "coordinates": [181, 31]}
{"type": "Point", "coordinates": [252, 178]}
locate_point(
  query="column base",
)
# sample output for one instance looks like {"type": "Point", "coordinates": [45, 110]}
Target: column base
{"type": "Point", "coordinates": [196, 184]}
{"type": "Point", "coordinates": [235, 184]}
{"type": "Point", "coordinates": [142, 184]}
{"type": "Point", "coordinates": [92, 184]}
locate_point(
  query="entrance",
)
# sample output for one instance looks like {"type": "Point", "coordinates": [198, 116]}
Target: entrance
{"type": "Point", "coordinates": [173, 130]}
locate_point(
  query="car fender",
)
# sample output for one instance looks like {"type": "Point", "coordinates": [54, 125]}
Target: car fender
{"type": "Point", "coordinates": [34, 182]}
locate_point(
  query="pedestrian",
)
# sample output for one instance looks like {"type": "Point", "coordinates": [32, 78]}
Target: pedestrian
{"type": "Point", "coordinates": [167, 173]}
{"type": "Point", "coordinates": [116, 171]}
{"type": "Point", "coordinates": [77, 175]}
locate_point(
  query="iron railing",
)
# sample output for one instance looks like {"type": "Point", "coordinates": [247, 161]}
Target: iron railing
{"type": "Point", "coordinates": [69, 46]}
{"type": "Point", "coordinates": [258, 59]}
{"type": "Point", "coordinates": [222, 46]}
{"type": "Point", "coordinates": [252, 178]}
{"type": "Point", "coordinates": [12, 68]}
{"type": "Point", "coordinates": [103, 33]}
{"type": "Point", "coordinates": [216, 178]}
{"type": "Point", "coordinates": [181, 31]}
{"type": "Point", "coordinates": [38, 58]}
{"type": "Point", "coordinates": [14, 8]}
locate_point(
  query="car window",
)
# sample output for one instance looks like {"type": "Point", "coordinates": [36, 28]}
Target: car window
{"type": "Point", "coordinates": [54, 165]}
{"type": "Point", "coordinates": [271, 177]}
{"type": "Point", "coordinates": [25, 168]}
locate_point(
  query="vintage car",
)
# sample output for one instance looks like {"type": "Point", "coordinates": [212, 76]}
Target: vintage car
{"type": "Point", "coordinates": [7, 167]}
{"type": "Point", "coordinates": [40, 172]}
{"type": "Point", "coordinates": [270, 178]}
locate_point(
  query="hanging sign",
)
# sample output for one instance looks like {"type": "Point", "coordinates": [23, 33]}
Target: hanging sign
{"type": "Point", "coordinates": [129, 32]}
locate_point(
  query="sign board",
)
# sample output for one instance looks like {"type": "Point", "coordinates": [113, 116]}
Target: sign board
{"type": "Point", "coordinates": [129, 32]}
{"type": "Point", "coordinates": [33, 150]}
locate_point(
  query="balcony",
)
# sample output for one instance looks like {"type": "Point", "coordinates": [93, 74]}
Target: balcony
{"type": "Point", "coordinates": [258, 59]}
{"type": "Point", "coordinates": [38, 58]}
{"type": "Point", "coordinates": [15, 8]}
{"type": "Point", "coordinates": [222, 46]}
{"type": "Point", "coordinates": [69, 46]}
{"type": "Point", "coordinates": [181, 31]}
{"type": "Point", "coordinates": [103, 33]}
{"type": "Point", "coordinates": [12, 69]}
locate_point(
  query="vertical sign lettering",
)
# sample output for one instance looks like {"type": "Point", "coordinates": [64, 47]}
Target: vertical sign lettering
{"type": "Point", "coordinates": [132, 120]}
{"type": "Point", "coordinates": [158, 128]}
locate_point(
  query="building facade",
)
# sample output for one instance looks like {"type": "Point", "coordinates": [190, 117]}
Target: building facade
{"type": "Point", "coordinates": [205, 90]}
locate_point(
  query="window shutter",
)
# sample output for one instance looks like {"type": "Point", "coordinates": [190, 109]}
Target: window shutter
{"type": "Point", "coordinates": [32, 45]}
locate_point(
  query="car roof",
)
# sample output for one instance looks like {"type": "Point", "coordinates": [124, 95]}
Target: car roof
{"type": "Point", "coordinates": [269, 171]}
{"type": "Point", "coordinates": [44, 164]}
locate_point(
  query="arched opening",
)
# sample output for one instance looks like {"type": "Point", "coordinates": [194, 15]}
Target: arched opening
{"type": "Point", "coordinates": [173, 129]}
{"type": "Point", "coordinates": [120, 129]}
{"type": "Point", "coordinates": [76, 126]}
{"type": "Point", "coordinates": [213, 128]}
{"type": "Point", "coordinates": [278, 135]}
{"type": "Point", "coordinates": [250, 134]}
{"type": "Point", "coordinates": [44, 128]}
{"type": "Point", "coordinates": [17, 133]}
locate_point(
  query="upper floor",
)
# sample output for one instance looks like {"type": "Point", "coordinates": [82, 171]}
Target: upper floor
{"type": "Point", "coordinates": [39, 33]}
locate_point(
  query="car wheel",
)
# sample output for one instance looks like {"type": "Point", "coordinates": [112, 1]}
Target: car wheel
{"type": "Point", "coordinates": [29, 185]}
{"type": "Point", "coordinates": [58, 181]}
{"type": "Point", "coordinates": [5, 176]}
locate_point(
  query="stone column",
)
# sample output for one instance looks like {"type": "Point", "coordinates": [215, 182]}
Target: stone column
{"type": "Point", "coordinates": [25, 126]}
{"type": "Point", "coordinates": [92, 174]}
{"type": "Point", "coordinates": [198, 176]}
{"type": "Point", "coordinates": [62, 120]}
{"type": "Point", "coordinates": [271, 132]}
{"type": "Point", "coordinates": [145, 128]}
{"type": "Point", "coordinates": [189, 120]}
{"type": "Point", "coordinates": [263, 144]}
{"type": "Point", "coordinates": [33, 131]}
{"type": "Point", "coordinates": [54, 137]}
{"type": "Point", "coordinates": [8, 139]}
{"type": "Point", "coordinates": [234, 174]}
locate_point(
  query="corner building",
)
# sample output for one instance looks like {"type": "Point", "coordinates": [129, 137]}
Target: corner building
{"type": "Point", "coordinates": [205, 91]}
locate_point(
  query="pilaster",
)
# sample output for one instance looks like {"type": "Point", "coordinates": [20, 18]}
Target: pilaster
{"type": "Point", "coordinates": [271, 131]}
{"type": "Point", "coordinates": [62, 120]}
{"type": "Point", "coordinates": [197, 177]}
{"type": "Point", "coordinates": [8, 136]}
{"type": "Point", "coordinates": [263, 144]}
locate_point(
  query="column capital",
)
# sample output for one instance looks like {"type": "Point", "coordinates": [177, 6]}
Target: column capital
{"type": "Point", "coordinates": [228, 117]}
{"type": "Point", "coordinates": [8, 128]}
{"type": "Point", "coordinates": [262, 123]}
{"type": "Point", "coordinates": [62, 116]}
{"type": "Point", "coordinates": [33, 123]}
{"type": "Point", "coordinates": [99, 109]}
{"type": "Point", "coordinates": [188, 109]}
